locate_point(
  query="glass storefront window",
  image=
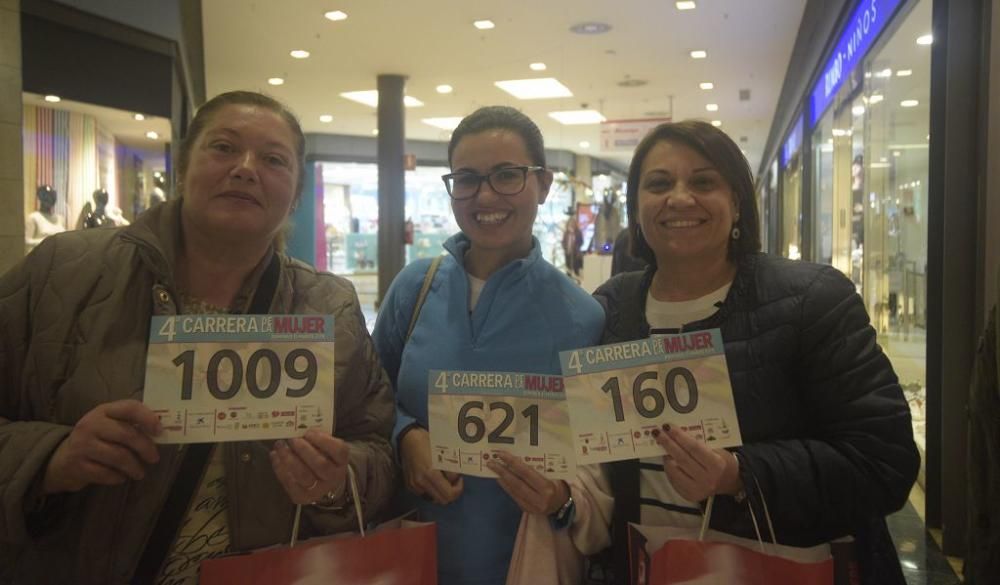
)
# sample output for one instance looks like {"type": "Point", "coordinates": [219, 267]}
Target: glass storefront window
{"type": "Point", "coordinates": [897, 99]}
{"type": "Point", "coordinates": [822, 145]}
{"type": "Point", "coordinates": [791, 209]}
{"type": "Point", "coordinates": [96, 166]}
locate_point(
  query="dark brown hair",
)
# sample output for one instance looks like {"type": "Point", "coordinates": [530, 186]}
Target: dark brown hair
{"type": "Point", "coordinates": [241, 98]}
{"type": "Point", "coordinates": [720, 150]}
{"type": "Point", "coordinates": [501, 118]}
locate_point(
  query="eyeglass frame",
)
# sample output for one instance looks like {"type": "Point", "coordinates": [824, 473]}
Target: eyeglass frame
{"type": "Point", "coordinates": [486, 178]}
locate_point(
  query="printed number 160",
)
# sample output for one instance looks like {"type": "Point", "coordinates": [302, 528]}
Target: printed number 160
{"type": "Point", "coordinates": [640, 394]}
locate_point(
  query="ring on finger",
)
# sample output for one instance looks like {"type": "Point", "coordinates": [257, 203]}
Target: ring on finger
{"type": "Point", "coordinates": [313, 486]}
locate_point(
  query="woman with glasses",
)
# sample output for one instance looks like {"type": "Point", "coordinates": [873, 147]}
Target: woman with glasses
{"type": "Point", "coordinates": [494, 304]}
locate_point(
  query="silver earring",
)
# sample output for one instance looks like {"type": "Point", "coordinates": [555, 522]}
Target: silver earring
{"type": "Point", "coordinates": [735, 233]}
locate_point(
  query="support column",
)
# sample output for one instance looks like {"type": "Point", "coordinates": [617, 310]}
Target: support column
{"type": "Point", "coordinates": [391, 180]}
{"type": "Point", "coordinates": [11, 150]}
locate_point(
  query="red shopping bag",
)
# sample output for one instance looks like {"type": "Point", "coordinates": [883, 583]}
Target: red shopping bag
{"type": "Point", "coordinates": [663, 555]}
{"type": "Point", "coordinates": [395, 553]}
{"type": "Point", "coordinates": [390, 556]}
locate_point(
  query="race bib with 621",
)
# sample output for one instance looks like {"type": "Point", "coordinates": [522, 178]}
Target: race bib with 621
{"type": "Point", "coordinates": [619, 394]}
{"type": "Point", "coordinates": [213, 378]}
{"type": "Point", "coordinates": [474, 414]}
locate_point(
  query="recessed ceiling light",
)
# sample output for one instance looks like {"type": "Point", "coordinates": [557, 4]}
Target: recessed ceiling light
{"type": "Point", "coordinates": [858, 110]}
{"type": "Point", "coordinates": [904, 72]}
{"type": "Point", "coordinates": [897, 153]}
{"type": "Point", "coordinates": [484, 24]}
{"type": "Point", "coordinates": [534, 89]}
{"type": "Point", "coordinates": [53, 99]}
{"type": "Point", "coordinates": [712, 107]}
{"type": "Point", "coordinates": [875, 98]}
{"type": "Point", "coordinates": [335, 15]}
{"type": "Point", "coordinates": [706, 85]}
{"type": "Point", "coordinates": [584, 144]}
{"type": "Point", "coordinates": [375, 132]}
{"type": "Point", "coordinates": [590, 28]}
{"type": "Point", "coordinates": [326, 118]}
{"type": "Point", "coordinates": [698, 54]}
{"type": "Point", "coordinates": [443, 123]}
{"type": "Point", "coordinates": [138, 117]}
{"type": "Point", "coordinates": [839, 132]}
{"type": "Point", "coordinates": [300, 54]}
{"type": "Point", "coordinates": [538, 66]}
{"type": "Point", "coordinates": [370, 98]}
{"type": "Point", "coordinates": [716, 123]}
{"type": "Point", "coordinates": [909, 103]}
{"type": "Point", "coordinates": [152, 135]}
{"type": "Point", "coordinates": [444, 88]}
{"type": "Point", "coordinates": [884, 73]}
{"type": "Point", "coordinates": [276, 81]}
{"type": "Point", "coordinates": [574, 117]}
{"type": "Point", "coordinates": [685, 5]}
{"type": "Point", "coordinates": [925, 40]}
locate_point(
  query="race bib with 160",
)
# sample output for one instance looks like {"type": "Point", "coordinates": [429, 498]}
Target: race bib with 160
{"type": "Point", "coordinates": [474, 414]}
{"type": "Point", "coordinates": [619, 393]}
{"type": "Point", "coordinates": [213, 378]}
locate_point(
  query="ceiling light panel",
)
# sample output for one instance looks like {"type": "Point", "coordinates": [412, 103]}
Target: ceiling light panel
{"type": "Point", "coordinates": [706, 85]}
{"type": "Point", "coordinates": [577, 117]}
{"type": "Point", "coordinates": [534, 89]}
{"type": "Point", "coordinates": [538, 67]}
{"type": "Point", "coordinates": [484, 24]}
{"type": "Point", "coordinates": [335, 15]}
{"type": "Point", "coordinates": [689, 5]}
{"type": "Point", "coordinates": [370, 98]}
{"type": "Point", "coordinates": [698, 54]}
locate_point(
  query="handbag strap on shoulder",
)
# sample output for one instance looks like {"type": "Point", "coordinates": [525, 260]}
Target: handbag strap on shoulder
{"type": "Point", "coordinates": [424, 289]}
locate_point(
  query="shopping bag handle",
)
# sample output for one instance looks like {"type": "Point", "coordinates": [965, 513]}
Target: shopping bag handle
{"type": "Point", "coordinates": [352, 481]}
{"type": "Point", "coordinates": [707, 517]}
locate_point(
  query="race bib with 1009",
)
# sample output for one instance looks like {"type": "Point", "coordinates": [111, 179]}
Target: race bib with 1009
{"type": "Point", "coordinates": [472, 415]}
{"type": "Point", "coordinates": [619, 394]}
{"type": "Point", "coordinates": [213, 378]}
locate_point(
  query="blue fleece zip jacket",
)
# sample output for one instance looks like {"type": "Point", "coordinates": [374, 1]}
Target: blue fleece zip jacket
{"type": "Point", "coordinates": [527, 313]}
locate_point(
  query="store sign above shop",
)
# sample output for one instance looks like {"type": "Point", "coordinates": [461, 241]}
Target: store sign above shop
{"type": "Point", "coordinates": [624, 135]}
{"type": "Point", "coordinates": [792, 144]}
{"type": "Point", "coordinates": [867, 21]}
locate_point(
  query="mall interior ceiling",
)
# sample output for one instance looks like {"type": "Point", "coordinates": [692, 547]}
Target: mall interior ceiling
{"type": "Point", "coordinates": [623, 60]}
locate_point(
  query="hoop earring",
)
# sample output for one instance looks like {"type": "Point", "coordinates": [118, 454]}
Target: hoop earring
{"type": "Point", "coordinates": [735, 233]}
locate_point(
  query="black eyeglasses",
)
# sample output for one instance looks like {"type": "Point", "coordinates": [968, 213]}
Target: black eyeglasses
{"type": "Point", "coordinates": [505, 181]}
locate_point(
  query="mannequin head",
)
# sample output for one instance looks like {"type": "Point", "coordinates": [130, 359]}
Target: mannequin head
{"type": "Point", "coordinates": [100, 199]}
{"type": "Point", "coordinates": [46, 198]}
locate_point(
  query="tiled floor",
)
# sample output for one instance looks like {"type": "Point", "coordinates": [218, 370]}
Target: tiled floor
{"type": "Point", "coordinates": [921, 558]}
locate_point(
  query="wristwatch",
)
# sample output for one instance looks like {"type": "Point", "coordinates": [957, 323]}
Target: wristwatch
{"type": "Point", "coordinates": [563, 517]}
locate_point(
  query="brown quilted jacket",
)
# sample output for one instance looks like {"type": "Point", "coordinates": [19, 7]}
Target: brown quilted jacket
{"type": "Point", "coordinates": [74, 320]}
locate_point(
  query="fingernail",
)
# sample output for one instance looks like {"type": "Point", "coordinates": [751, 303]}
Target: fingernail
{"type": "Point", "coordinates": [281, 444]}
{"type": "Point", "coordinates": [656, 433]}
{"type": "Point", "coordinates": [666, 428]}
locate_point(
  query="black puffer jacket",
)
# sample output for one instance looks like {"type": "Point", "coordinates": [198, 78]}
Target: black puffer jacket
{"type": "Point", "coordinates": [826, 430]}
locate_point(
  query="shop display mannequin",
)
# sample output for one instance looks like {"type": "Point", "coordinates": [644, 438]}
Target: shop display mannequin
{"type": "Point", "coordinates": [607, 225]}
{"type": "Point", "coordinates": [44, 222]}
{"type": "Point", "coordinates": [98, 217]}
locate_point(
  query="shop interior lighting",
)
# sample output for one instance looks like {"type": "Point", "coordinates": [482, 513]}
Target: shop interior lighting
{"type": "Point", "coordinates": [904, 73]}
{"type": "Point", "coordinates": [335, 15]}
{"type": "Point", "coordinates": [152, 135]}
{"type": "Point", "coordinates": [838, 132]}
{"type": "Point", "coordinates": [706, 85]}
{"type": "Point", "coordinates": [374, 131]}
{"type": "Point", "coordinates": [138, 117]}
{"type": "Point", "coordinates": [875, 98]}
{"type": "Point", "coordinates": [326, 118]}
{"type": "Point", "coordinates": [698, 54]}
{"type": "Point", "coordinates": [576, 117]}
{"type": "Point", "coordinates": [444, 88]}
{"type": "Point", "coordinates": [538, 67]}
{"type": "Point", "coordinates": [712, 107]}
{"type": "Point", "coordinates": [484, 24]}
{"type": "Point", "coordinates": [909, 103]}
{"type": "Point", "coordinates": [370, 98]}
{"type": "Point", "coordinates": [54, 99]}
{"type": "Point", "coordinates": [584, 144]}
{"type": "Point", "coordinates": [299, 54]}
{"type": "Point", "coordinates": [896, 153]}
{"type": "Point", "coordinates": [534, 89]}
{"type": "Point", "coordinates": [448, 124]}
{"type": "Point", "coordinates": [689, 5]}
{"type": "Point", "coordinates": [925, 40]}
{"type": "Point", "coordinates": [858, 110]}
{"type": "Point", "coordinates": [276, 81]}
{"type": "Point", "coordinates": [717, 123]}
{"type": "Point", "coordinates": [884, 73]}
